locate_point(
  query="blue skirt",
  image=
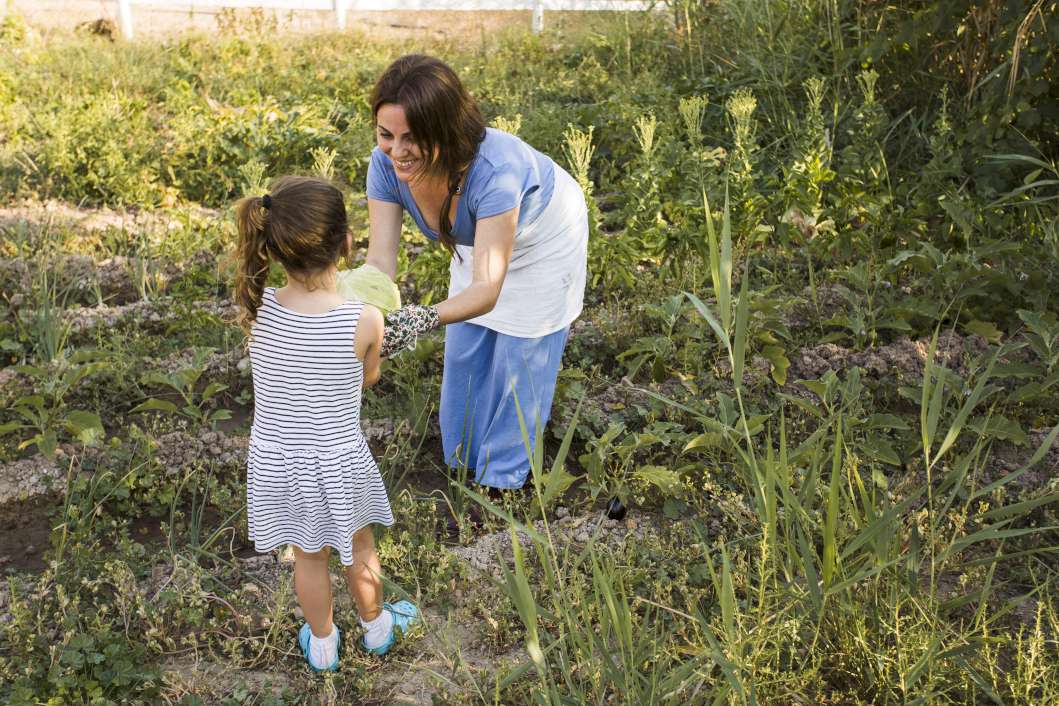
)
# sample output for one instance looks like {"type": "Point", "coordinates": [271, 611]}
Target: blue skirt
{"type": "Point", "coordinates": [485, 372]}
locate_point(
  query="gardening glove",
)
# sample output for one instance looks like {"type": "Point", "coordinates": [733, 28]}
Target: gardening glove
{"type": "Point", "coordinates": [406, 325]}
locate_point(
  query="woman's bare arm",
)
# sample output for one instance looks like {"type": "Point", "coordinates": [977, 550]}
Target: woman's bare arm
{"type": "Point", "coordinates": [384, 236]}
{"type": "Point", "coordinates": [494, 238]}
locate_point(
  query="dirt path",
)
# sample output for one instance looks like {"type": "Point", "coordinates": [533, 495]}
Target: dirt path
{"type": "Point", "coordinates": [152, 22]}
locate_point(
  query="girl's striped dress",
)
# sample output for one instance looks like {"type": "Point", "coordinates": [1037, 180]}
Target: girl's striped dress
{"type": "Point", "coordinates": [311, 479]}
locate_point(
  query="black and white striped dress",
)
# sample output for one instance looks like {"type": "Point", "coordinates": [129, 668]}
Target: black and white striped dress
{"type": "Point", "coordinates": [311, 478]}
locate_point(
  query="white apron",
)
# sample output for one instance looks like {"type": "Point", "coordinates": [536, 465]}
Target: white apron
{"type": "Point", "coordinates": [544, 289]}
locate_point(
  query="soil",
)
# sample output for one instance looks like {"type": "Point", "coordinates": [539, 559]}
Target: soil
{"type": "Point", "coordinates": [22, 544]}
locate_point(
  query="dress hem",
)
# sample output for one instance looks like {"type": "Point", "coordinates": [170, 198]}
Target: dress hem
{"type": "Point", "coordinates": [272, 546]}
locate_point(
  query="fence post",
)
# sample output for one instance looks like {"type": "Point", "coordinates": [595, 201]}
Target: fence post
{"type": "Point", "coordinates": [125, 18]}
{"type": "Point", "coordinates": [538, 16]}
{"type": "Point", "coordinates": [341, 9]}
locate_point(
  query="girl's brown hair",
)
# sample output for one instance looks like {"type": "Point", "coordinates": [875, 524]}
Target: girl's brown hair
{"type": "Point", "coordinates": [301, 223]}
{"type": "Point", "coordinates": [445, 121]}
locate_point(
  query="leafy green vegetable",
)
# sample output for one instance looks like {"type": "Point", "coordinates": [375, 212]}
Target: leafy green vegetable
{"type": "Point", "coordinates": [369, 284]}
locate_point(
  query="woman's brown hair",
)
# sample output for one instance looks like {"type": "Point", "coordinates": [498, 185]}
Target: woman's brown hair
{"type": "Point", "coordinates": [445, 121]}
{"type": "Point", "coordinates": [301, 223]}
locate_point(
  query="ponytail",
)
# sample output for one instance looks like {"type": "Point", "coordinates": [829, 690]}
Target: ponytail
{"type": "Point", "coordinates": [253, 258]}
{"type": "Point", "coordinates": [301, 224]}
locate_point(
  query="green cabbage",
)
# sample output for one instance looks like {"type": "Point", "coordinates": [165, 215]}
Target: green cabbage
{"type": "Point", "coordinates": [369, 284]}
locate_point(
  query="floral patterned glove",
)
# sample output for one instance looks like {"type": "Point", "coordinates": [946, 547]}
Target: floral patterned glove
{"type": "Point", "coordinates": [406, 325]}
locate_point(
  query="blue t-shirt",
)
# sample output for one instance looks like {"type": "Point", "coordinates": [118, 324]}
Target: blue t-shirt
{"type": "Point", "coordinates": [505, 172]}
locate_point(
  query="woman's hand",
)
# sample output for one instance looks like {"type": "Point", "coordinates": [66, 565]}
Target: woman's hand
{"type": "Point", "coordinates": [406, 325]}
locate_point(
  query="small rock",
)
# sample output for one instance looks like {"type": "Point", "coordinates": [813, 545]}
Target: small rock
{"type": "Point", "coordinates": [581, 537]}
{"type": "Point", "coordinates": [561, 512]}
{"type": "Point", "coordinates": [630, 524]}
{"type": "Point", "coordinates": [30, 549]}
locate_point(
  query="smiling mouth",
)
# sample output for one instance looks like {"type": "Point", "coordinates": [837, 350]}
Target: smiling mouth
{"type": "Point", "coordinates": [405, 165]}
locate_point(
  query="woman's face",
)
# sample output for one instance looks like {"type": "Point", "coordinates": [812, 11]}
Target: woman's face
{"type": "Point", "coordinates": [394, 138]}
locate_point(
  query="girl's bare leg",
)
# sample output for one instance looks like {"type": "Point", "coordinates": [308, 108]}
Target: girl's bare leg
{"type": "Point", "coordinates": [312, 584]}
{"type": "Point", "coordinates": [365, 575]}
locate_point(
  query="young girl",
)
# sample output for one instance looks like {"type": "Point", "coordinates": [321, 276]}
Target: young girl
{"type": "Point", "coordinates": [311, 479]}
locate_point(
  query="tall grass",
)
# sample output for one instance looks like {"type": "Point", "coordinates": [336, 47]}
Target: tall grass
{"type": "Point", "coordinates": [840, 591]}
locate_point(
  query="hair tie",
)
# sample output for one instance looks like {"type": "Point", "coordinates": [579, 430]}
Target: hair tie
{"type": "Point", "coordinates": [266, 201]}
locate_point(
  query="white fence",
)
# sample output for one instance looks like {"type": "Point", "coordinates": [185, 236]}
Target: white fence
{"type": "Point", "coordinates": [342, 8]}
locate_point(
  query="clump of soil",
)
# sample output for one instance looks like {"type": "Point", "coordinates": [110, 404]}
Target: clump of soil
{"type": "Point", "coordinates": [24, 481]}
{"type": "Point", "coordinates": [150, 315]}
{"type": "Point", "coordinates": [906, 357]}
{"type": "Point", "coordinates": [581, 529]}
{"type": "Point", "coordinates": [178, 450]}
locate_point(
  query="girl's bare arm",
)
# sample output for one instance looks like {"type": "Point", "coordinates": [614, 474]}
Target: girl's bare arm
{"type": "Point", "coordinates": [367, 342]}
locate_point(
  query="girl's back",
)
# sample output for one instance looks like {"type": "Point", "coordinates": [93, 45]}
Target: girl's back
{"type": "Point", "coordinates": [307, 377]}
{"type": "Point", "coordinates": [311, 478]}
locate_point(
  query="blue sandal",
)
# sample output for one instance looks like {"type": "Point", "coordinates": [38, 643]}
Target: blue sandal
{"type": "Point", "coordinates": [303, 640]}
{"type": "Point", "coordinates": [405, 614]}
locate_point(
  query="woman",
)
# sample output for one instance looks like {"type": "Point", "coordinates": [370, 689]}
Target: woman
{"type": "Point", "coordinates": [517, 228]}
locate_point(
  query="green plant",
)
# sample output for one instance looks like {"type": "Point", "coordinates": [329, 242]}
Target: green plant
{"type": "Point", "coordinates": [197, 404]}
{"type": "Point", "coordinates": [1042, 335]}
{"type": "Point", "coordinates": [46, 414]}
{"type": "Point", "coordinates": [610, 255]}
{"type": "Point", "coordinates": [658, 353]}
{"type": "Point", "coordinates": [871, 308]}
{"type": "Point", "coordinates": [44, 325]}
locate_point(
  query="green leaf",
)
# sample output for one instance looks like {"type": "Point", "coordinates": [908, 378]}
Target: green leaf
{"type": "Point", "coordinates": [555, 483]}
{"type": "Point", "coordinates": [664, 479]}
{"type": "Point", "coordinates": [886, 421]}
{"type": "Point", "coordinates": [881, 449]}
{"type": "Point", "coordinates": [159, 378]}
{"type": "Point", "coordinates": [830, 560]}
{"type": "Point", "coordinates": [742, 319]}
{"type": "Point", "coordinates": [985, 329]}
{"type": "Point", "coordinates": [999, 427]}
{"type": "Point", "coordinates": [12, 426]}
{"type": "Point", "coordinates": [212, 389]}
{"type": "Point", "coordinates": [705, 440]}
{"type": "Point", "coordinates": [778, 358]}
{"type": "Point", "coordinates": [1039, 454]}
{"type": "Point", "coordinates": [156, 405]}
{"type": "Point", "coordinates": [816, 387]}
{"type": "Point", "coordinates": [47, 442]}
{"type": "Point", "coordinates": [86, 426]}
{"type": "Point", "coordinates": [1020, 509]}
{"type": "Point", "coordinates": [707, 314]}
{"type": "Point", "coordinates": [219, 415]}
